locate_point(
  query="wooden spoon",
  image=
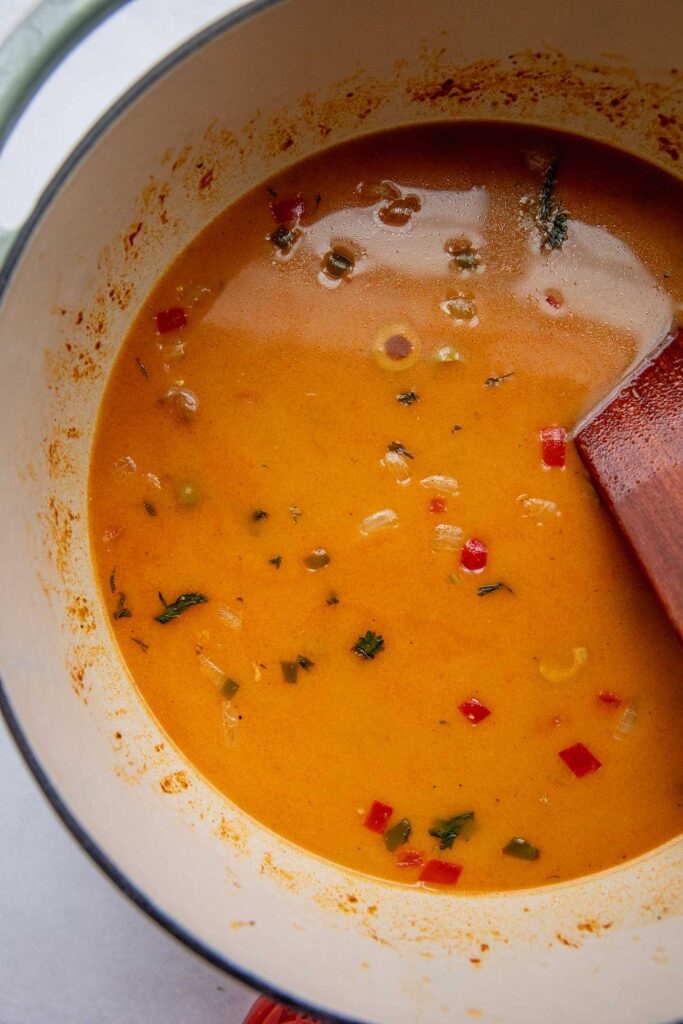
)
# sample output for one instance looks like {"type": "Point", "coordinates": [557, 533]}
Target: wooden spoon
{"type": "Point", "coordinates": [633, 449]}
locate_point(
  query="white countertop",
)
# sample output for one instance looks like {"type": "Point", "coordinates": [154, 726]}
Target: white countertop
{"type": "Point", "coordinates": [73, 950]}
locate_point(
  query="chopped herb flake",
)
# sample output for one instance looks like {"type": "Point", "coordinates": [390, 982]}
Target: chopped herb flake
{"type": "Point", "coordinates": [259, 514]}
{"type": "Point", "coordinates": [304, 662]}
{"type": "Point", "coordinates": [490, 588]}
{"type": "Point", "coordinates": [282, 237]}
{"type": "Point", "coordinates": [230, 688]}
{"type": "Point", "coordinates": [447, 830]}
{"type": "Point", "coordinates": [369, 645]}
{"type": "Point", "coordinates": [121, 611]}
{"type": "Point", "coordinates": [290, 670]}
{"type": "Point", "coordinates": [521, 849]}
{"type": "Point", "coordinates": [112, 581]}
{"type": "Point", "coordinates": [177, 607]}
{"type": "Point", "coordinates": [466, 259]}
{"type": "Point", "coordinates": [141, 644]}
{"type": "Point", "coordinates": [141, 366]}
{"type": "Point", "coordinates": [295, 513]}
{"type": "Point", "coordinates": [397, 835]}
{"type": "Point", "coordinates": [275, 561]}
{"type": "Point", "coordinates": [396, 446]}
{"type": "Point", "coordinates": [455, 428]}
{"type": "Point", "coordinates": [552, 217]}
{"type": "Point", "coordinates": [332, 599]}
{"type": "Point", "coordinates": [491, 382]}
{"type": "Point", "coordinates": [271, 191]}
{"type": "Point", "coordinates": [150, 509]}
{"type": "Point", "coordinates": [408, 397]}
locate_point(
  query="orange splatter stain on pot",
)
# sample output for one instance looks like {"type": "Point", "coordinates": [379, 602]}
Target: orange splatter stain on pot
{"type": "Point", "coordinates": [174, 783]}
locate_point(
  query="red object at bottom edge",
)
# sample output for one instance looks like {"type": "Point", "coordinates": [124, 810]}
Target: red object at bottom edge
{"type": "Point", "coordinates": [265, 1011]}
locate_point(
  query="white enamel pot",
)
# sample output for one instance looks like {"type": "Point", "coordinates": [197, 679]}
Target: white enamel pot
{"type": "Point", "coordinates": [269, 83]}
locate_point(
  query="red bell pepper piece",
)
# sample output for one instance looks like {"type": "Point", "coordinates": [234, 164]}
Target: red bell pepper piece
{"type": "Point", "coordinates": [580, 760]}
{"type": "Point", "coordinates": [474, 710]}
{"type": "Point", "coordinates": [554, 445]}
{"type": "Point", "coordinates": [610, 698]}
{"type": "Point", "coordinates": [288, 210]}
{"type": "Point", "coordinates": [440, 872]}
{"type": "Point", "coordinates": [170, 319]}
{"type": "Point", "coordinates": [409, 859]}
{"type": "Point", "coordinates": [474, 555]}
{"type": "Point", "coordinates": [378, 817]}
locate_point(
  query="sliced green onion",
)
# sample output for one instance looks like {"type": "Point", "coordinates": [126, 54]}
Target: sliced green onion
{"type": "Point", "coordinates": [337, 264]}
{"type": "Point", "coordinates": [317, 559]}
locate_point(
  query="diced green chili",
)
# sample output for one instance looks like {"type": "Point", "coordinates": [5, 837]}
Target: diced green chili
{"type": "Point", "coordinates": [230, 688]}
{"type": "Point", "coordinates": [521, 849]}
{"type": "Point", "coordinates": [397, 835]}
{"type": "Point", "coordinates": [290, 670]}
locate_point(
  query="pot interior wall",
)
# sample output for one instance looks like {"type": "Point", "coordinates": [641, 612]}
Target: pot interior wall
{"type": "Point", "coordinates": [278, 82]}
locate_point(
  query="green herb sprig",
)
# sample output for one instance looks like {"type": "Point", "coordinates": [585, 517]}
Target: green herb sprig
{"type": "Point", "coordinates": [369, 645]}
{"type": "Point", "coordinates": [447, 830]}
{"type": "Point", "coordinates": [177, 607]}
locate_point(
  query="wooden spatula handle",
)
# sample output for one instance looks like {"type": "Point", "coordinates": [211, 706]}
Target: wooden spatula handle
{"type": "Point", "coordinates": [633, 449]}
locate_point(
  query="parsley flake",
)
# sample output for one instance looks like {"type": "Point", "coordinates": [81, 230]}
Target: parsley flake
{"type": "Point", "coordinates": [369, 645]}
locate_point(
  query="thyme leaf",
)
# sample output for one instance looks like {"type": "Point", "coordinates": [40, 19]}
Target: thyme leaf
{"type": "Point", "coordinates": [491, 382]}
{"type": "Point", "coordinates": [396, 446]}
{"type": "Point", "coordinates": [177, 607]}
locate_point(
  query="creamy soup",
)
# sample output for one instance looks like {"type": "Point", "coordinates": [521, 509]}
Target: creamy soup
{"type": "Point", "coordinates": [349, 553]}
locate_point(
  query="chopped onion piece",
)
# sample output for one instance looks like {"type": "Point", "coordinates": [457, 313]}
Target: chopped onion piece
{"type": "Point", "coordinates": [211, 670]}
{"type": "Point", "coordinates": [230, 720]}
{"type": "Point", "coordinates": [154, 480]}
{"type": "Point", "coordinates": [440, 484]}
{"type": "Point", "coordinates": [378, 521]}
{"type": "Point", "coordinates": [446, 537]}
{"type": "Point", "coordinates": [563, 675]}
{"type": "Point", "coordinates": [172, 348]}
{"type": "Point", "coordinates": [124, 467]}
{"type": "Point", "coordinates": [538, 508]}
{"type": "Point", "coordinates": [447, 354]}
{"type": "Point", "coordinates": [230, 618]}
{"type": "Point", "coordinates": [627, 721]}
{"type": "Point", "coordinates": [184, 402]}
{"type": "Point", "coordinates": [397, 466]}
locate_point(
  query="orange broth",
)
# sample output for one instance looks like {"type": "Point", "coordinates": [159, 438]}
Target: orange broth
{"type": "Point", "coordinates": [518, 274]}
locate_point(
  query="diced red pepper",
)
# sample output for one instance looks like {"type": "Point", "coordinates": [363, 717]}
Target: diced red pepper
{"type": "Point", "coordinates": [474, 555]}
{"type": "Point", "coordinates": [437, 505]}
{"type": "Point", "coordinates": [170, 319]}
{"type": "Point", "coordinates": [552, 300]}
{"type": "Point", "coordinates": [610, 698]}
{"type": "Point", "coordinates": [554, 444]}
{"type": "Point", "coordinates": [288, 210]}
{"type": "Point", "coordinates": [474, 710]}
{"type": "Point", "coordinates": [440, 872]}
{"type": "Point", "coordinates": [378, 817]}
{"type": "Point", "coordinates": [580, 760]}
{"type": "Point", "coordinates": [409, 859]}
